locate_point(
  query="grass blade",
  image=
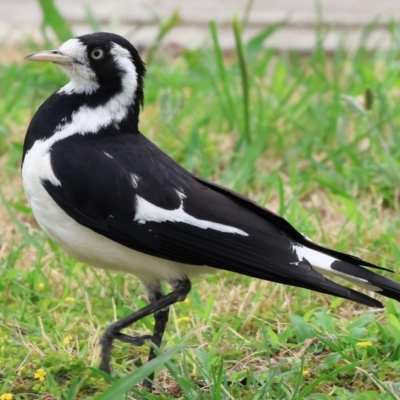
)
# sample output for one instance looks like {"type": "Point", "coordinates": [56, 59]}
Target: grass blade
{"type": "Point", "coordinates": [73, 389]}
{"type": "Point", "coordinates": [91, 19]}
{"type": "Point", "coordinates": [254, 45]}
{"type": "Point", "coordinates": [222, 73]}
{"type": "Point", "coordinates": [53, 18]}
{"type": "Point", "coordinates": [125, 384]}
{"type": "Point", "coordinates": [244, 75]}
{"type": "Point", "coordinates": [28, 237]}
{"type": "Point", "coordinates": [165, 27]}
{"type": "Point", "coordinates": [246, 14]}
{"type": "Point", "coordinates": [309, 389]}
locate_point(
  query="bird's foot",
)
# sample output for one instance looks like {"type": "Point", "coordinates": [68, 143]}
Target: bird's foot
{"type": "Point", "coordinates": [106, 345]}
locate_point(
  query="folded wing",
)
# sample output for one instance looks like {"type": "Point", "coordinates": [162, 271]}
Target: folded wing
{"type": "Point", "coordinates": [132, 193]}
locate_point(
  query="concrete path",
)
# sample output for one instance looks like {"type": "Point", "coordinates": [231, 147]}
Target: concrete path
{"type": "Point", "coordinates": [138, 19]}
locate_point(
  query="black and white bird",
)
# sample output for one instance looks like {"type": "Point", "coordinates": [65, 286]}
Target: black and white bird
{"type": "Point", "coordinates": [110, 198]}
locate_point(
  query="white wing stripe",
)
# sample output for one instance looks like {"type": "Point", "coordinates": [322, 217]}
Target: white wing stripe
{"type": "Point", "coordinates": [147, 212]}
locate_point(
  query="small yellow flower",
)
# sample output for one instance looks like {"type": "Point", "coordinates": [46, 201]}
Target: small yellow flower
{"type": "Point", "coordinates": [182, 319]}
{"type": "Point", "coordinates": [41, 287]}
{"type": "Point", "coordinates": [67, 339]}
{"type": "Point", "coordinates": [306, 372]}
{"type": "Point", "coordinates": [40, 374]}
{"type": "Point", "coordinates": [186, 302]}
{"type": "Point", "coordinates": [20, 369]}
{"type": "Point", "coordinates": [69, 299]}
{"type": "Point", "coordinates": [368, 343]}
{"type": "Point", "coordinates": [6, 396]}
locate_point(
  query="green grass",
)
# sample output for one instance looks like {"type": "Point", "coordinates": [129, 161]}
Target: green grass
{"type": "Point", "coordinates": [290, 131]}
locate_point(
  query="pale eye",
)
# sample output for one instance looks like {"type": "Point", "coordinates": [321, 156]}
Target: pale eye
{"type": "Point", "coordinates": [97, 53]}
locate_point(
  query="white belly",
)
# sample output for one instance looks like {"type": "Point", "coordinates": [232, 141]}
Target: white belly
{"type": "Point", "coordinates": [84, 244]}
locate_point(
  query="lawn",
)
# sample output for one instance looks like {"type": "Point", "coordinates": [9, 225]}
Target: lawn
{"type": "Point", "coordinates": [315, 138]}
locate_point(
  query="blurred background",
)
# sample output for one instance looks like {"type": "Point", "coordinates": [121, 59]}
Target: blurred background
{"type": "Point", "coordinates": [139, 19]}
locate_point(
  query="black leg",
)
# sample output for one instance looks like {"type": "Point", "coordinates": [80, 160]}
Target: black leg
{"type": "Point", "coordinates": [155, 293]}
{"type": "Point", "coordinates": [159, 308]}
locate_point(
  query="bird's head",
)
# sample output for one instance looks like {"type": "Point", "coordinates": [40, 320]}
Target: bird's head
{"type": "Point", "coordinates": [99, 65]}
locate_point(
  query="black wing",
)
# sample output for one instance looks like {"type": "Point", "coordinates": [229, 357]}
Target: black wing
{"type": "Point", "coordinates": [102, 177]}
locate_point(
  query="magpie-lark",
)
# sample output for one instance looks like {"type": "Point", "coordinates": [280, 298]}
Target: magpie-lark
{"type": "Point", "coordinates": [110, 198]}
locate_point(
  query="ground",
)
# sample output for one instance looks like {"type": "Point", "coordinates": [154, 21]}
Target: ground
{"type": "Point", "coordinates": [313, 138]}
